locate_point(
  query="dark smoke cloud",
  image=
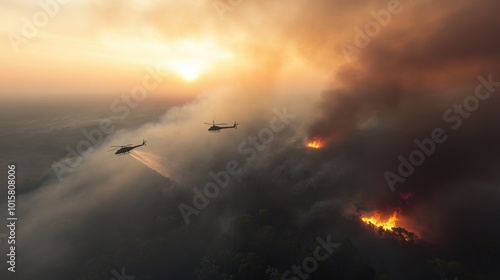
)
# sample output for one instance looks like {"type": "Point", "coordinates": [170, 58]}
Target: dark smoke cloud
{"type": "Point", "coordinates": [396, 91]}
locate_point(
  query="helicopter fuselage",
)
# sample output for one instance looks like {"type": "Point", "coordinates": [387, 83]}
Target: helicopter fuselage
{"type": "Point", "coordinates": [215, 128]}
{"type": "Point", "coordinates": [127, 149]}
{"type": "Point", "coordinates": [124, 150]}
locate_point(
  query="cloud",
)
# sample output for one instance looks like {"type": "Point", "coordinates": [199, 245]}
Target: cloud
{"type": "Point", "coordinates": [397, 90]}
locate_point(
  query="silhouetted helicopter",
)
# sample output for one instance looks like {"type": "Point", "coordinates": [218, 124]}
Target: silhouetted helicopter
{"type": "Point", "coordinates": [127, 148]}
{"type": "Point", "coordinates": [216, 128]}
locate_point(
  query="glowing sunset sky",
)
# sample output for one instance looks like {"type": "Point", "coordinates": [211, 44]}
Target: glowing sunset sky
{"type": "Point", "coordinates": [92, 46]}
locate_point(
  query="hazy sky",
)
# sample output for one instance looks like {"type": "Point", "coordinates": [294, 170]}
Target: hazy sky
{"type": "Point", "coordinates": [98, 46]}
{"type": "Point", "coordinates": [366, 78]}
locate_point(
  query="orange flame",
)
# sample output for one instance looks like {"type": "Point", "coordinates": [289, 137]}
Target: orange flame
{"type": "Point", "coordinates": [377, 221]}
{"type": "Point", "coordinates": [314, 144]}
{"type": "Point", "coordinates": [391, 226]}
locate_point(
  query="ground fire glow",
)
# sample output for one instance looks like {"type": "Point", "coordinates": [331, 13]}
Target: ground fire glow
{"type": "Point", "coordinates": [314, 144]}
{"type": "Point", "coordinates": [376, 220]}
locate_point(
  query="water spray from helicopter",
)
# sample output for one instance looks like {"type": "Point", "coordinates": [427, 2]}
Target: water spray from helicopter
{"type": "Point", "coordinates": [151, 161]}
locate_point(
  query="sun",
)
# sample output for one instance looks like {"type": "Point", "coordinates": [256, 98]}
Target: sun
{"type": "Point", "coordinates": [188, 71]}
{"type": "Point", "coordinates": [187, 58]}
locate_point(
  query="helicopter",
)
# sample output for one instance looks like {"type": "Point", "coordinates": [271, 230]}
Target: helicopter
{"type": "Point", "coordinates": [216, 128]}
{"type": "Point", "coordinates": [127, 148]}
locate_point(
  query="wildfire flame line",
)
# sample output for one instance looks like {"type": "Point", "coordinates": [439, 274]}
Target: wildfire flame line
{"type": "Point", "coordinates": [151, 161]}
{"type": "Point", "coordinates": [314, 144]}
{"type": "Point", "coordinates": [389, 226]}
{"type": "Point", "coordinates": [377, 221]}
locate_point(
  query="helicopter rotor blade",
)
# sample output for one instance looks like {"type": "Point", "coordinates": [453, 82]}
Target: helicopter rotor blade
{"type": "Point", "coordinates": [113, 149]}
{"type": "Point", "coordinates": [213, 123]}
{"type": "Point", "coordinates": [122, 146]}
